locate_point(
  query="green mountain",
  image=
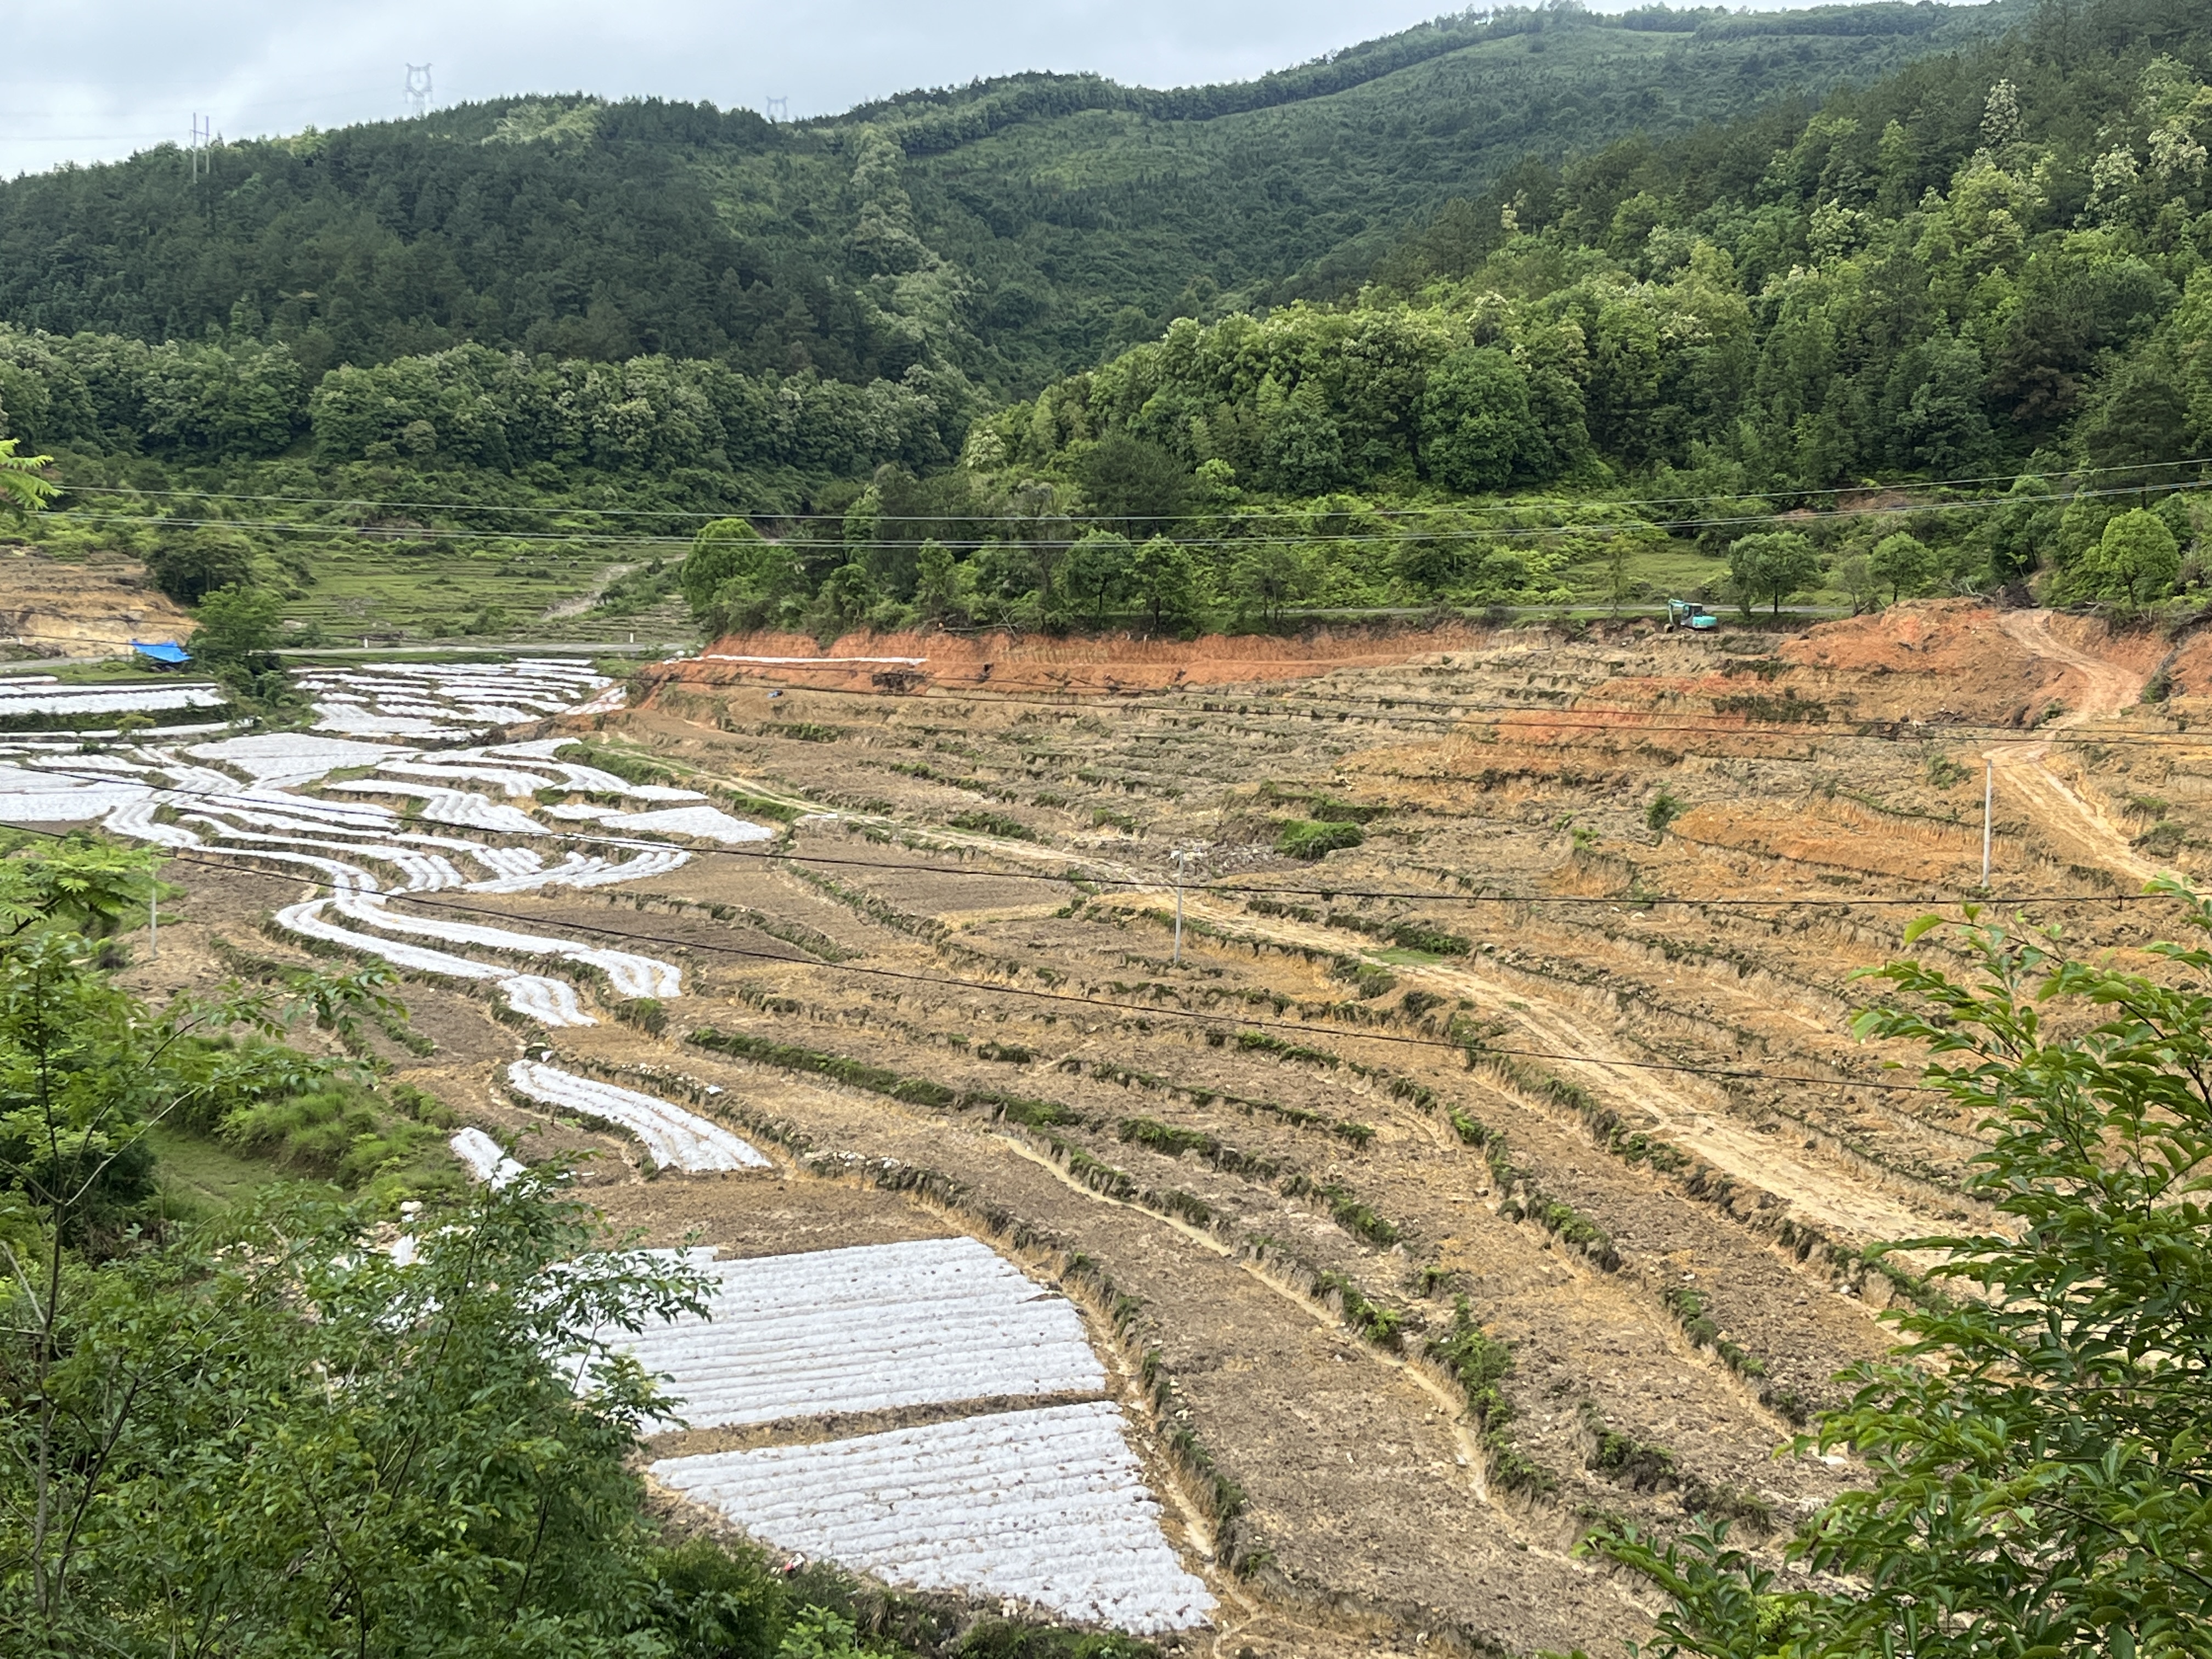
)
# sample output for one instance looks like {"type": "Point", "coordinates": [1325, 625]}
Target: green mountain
{"type": "Point", "coordinates": [539, 333]}
{"type": "Point", "coordinates": [1985, 265]}
{"type": "Point", "coordinates": [1015, 228]}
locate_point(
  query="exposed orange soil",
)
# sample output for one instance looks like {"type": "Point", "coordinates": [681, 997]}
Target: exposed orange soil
{"type": "Point", "coordinates": [1931, 660]}
{"type": "Point", "coordinates": [2188, 672]}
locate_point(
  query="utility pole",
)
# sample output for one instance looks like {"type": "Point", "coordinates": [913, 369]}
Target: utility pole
{"type": "Point", "coordinates": [1989, 798]}
{"type": "Point", "coordinates": [1180, 856]}
{"type": "Point", "coordinates": [418, 88]}
{"type": "Point", "coordinates": [202, 136]}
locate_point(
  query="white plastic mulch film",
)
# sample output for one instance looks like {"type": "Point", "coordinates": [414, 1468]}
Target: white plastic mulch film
{"type": "Point", "coordinates": [486, 1158]}
{"type": "Point", "coordinates": [44, 695]}
{"type": "Point", "coordinates": [866, 1329]}
{"type": "Point", "coordinates": [452, 700]}
{"type": "Point", "coordinates": [1047, 1506]}
{"type": "Point", "coordinates": [674, 1138]}
{"type": "Point", "coordinates": [375, 821]}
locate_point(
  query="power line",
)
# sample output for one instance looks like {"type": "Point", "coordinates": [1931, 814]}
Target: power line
{"type": "Point", "coordinates": [1141, 1012]}
{"type": "Point", "coordinates": [84, 137]}
{"type": "Point", "coordinates": [1455, 712]}
{"type": "Point", "coordinates": [1455, 715]}
{"type": "Point", "coordinates": [366, 821]}
{"type": "Point", "coordinates": [1546, 721]}
{"type": "Point", "coordinates": [1957, 731]}
{"type": "Point", "coordinates": [166, 521]}
{"type": "Point", "coordinates": [1467, 534]}
{"type": "Point", "coordinates": [333, 90]}
{"type": "Point", "coordinates": [1154, 518]}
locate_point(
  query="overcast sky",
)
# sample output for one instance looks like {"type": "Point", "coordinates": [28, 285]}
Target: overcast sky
{"type": "Point", "coordinates": [99, 79]}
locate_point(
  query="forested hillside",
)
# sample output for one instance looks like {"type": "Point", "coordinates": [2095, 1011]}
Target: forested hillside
{"type": "Point", "coordinates": [1588, 373]}
{"type": "Point", "coordinates": [1984, 264]}
{"type": "Point", "coordinates": [1019, 227]}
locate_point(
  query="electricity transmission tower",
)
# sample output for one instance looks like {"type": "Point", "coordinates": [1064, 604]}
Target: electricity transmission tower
{"type": "Point", "coordinates": [202, 136]}
{"type": "Point", "coordinates": [418, 88]}
{"type": "Point", "coordinates": [779, 109]}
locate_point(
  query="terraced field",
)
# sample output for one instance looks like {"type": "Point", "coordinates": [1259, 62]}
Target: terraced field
{"type": "Point", "coordinates": [1508, 1166]}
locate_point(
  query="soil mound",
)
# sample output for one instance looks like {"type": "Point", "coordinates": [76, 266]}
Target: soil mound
{"type": "Point", "coordinates": [1935, 661]}
{"type": "Point", "coordinates": [1959, 659]}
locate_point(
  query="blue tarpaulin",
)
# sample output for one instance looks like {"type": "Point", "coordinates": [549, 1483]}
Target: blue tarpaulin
{"type": "Point", "coordinates": [167, 653]}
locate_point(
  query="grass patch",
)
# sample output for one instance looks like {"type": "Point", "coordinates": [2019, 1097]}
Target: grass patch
{"type": "Point", "coordinates": [633, 767]}
{"type": "Point", "coordinates": [811, 940]}
{"type": "Point", "coordinates": [199, 1173]}
{"type": "Point", "coordinates": [1689, 1306]}
{"type": "Point", "coordinates": [1267, 1043]}
{"type": "Point", "coordinates": [1367, 981]}
{"type": "Point", "coordinates": [1479, 1362]}
{"type": "Point", "coordinates": [340, 1131]}
{"type": "Point", "coordinates": [1027, 1110]}
{"type": "Point", "coordinates": [1349, 1211]}
{"type": "Point", "coordinates": [1171, 1140]}
{"type": "Point", "coordinates": [1788, 709]}
{"type": "Point", "coordinates": [1523, 1199]}
{"type": "Point", "coordinates": [1399, 957]}
{"type": "Point", "coordinates": [916, 1091]}
{"type": "Point", "coordinates": [1944, 773]}
{"type": "Point", "coordinates": [1024, 1109]}
{"type": "Point", "coordinates": [647, 1013]}
{"type": "Point", "coordinates": [1303, 838]}
{"type": "Point", "coordinates": [1622, 1457]}
{"type": "Point", "coordinates": [1380, 1325]}
{"type": "Point", "coordinates": [1168, 1138]}
{"type": "Point", "coordinates": [1431, 941]}
{"type": "Point", "coordinates": [1766, 668]}
{"type": "Point", "coordinates": [992, 823]}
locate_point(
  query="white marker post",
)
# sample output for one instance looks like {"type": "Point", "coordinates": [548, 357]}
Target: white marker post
{"type": "Point", "coordinates": [1989, 796]}
{"type": "Point", "coordinates": [1179, 856]}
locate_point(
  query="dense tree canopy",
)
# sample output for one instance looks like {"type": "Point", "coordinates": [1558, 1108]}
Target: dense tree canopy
{"type": "Point", "coordinates": [1024, 227]}
{"type": "Point", "coordinates": [1990, 265]}
{"type": "Point", "coordinates": [1887, 288]}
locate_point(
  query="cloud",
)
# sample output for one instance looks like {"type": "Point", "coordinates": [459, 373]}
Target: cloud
{"type": "Point", "coordinates": [121, 76]}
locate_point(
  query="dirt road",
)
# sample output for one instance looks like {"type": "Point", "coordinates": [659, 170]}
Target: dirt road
{"type": "Point", "coordinates": [2024, 775]}
{"type": "Point", "coordinates": [1836, 1201]}
{"type": "Point", "coordinates": [1588, 1054]}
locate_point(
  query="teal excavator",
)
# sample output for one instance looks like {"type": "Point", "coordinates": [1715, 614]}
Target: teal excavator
{"type": "Point", "coordinates": [1682, 613]}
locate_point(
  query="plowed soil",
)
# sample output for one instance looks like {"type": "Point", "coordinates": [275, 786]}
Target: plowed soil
{"type": "Point", "coordinates": [1559, 1052]}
